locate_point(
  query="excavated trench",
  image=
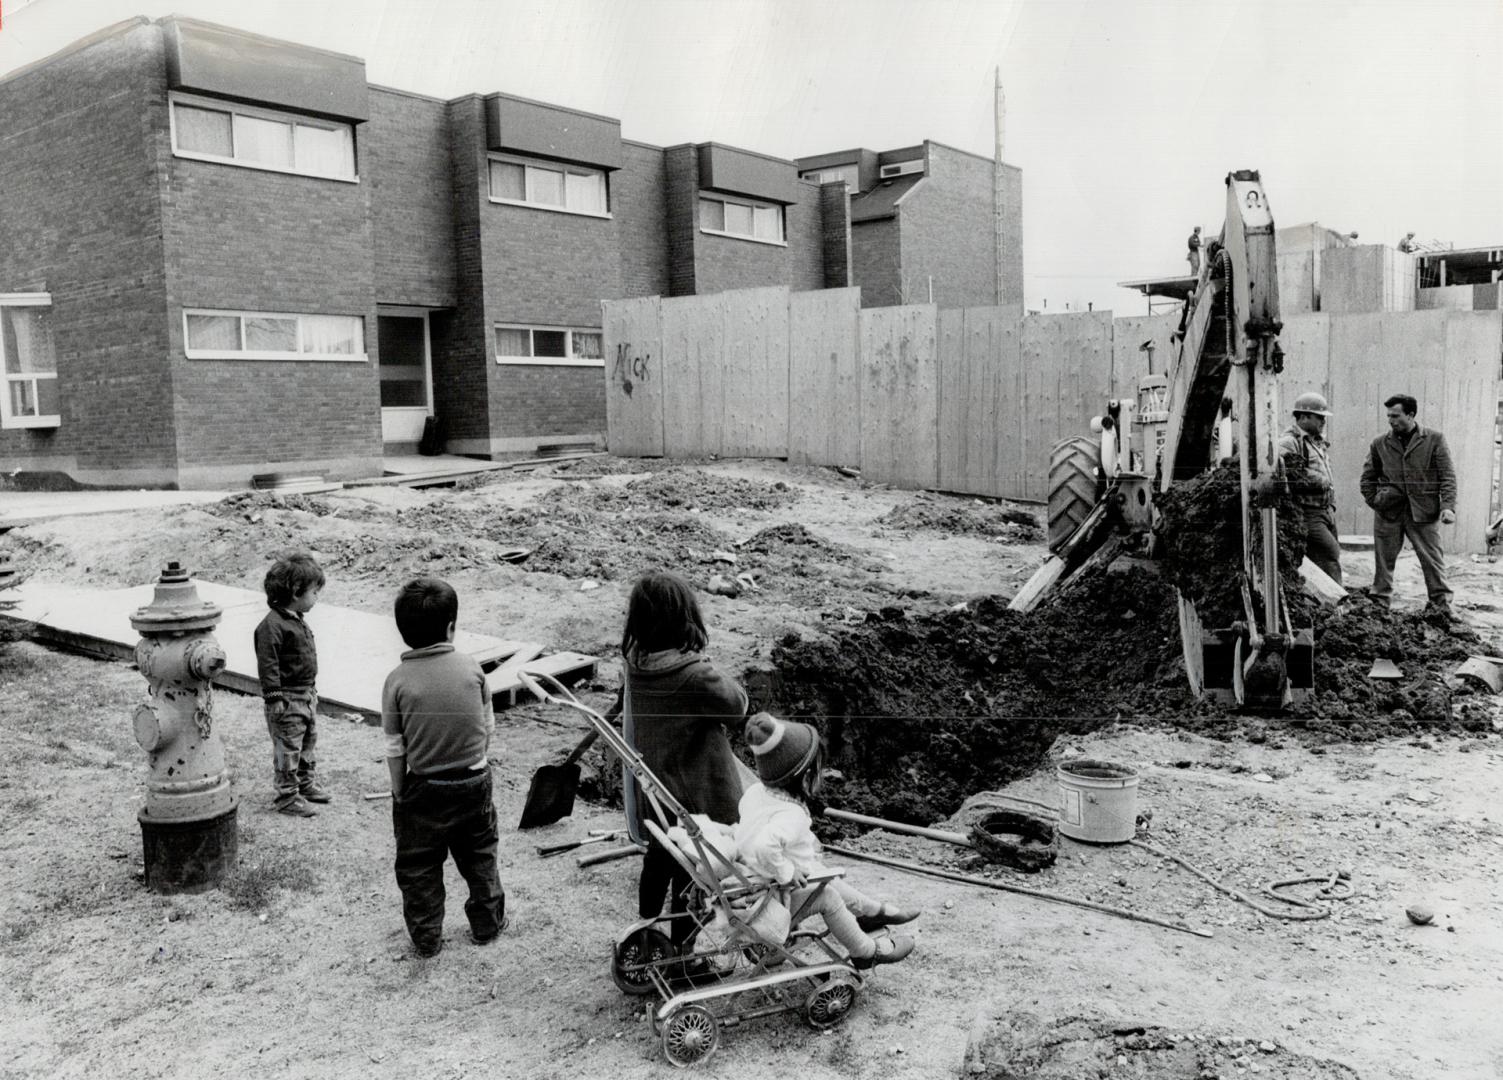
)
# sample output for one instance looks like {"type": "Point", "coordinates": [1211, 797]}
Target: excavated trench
{"type": "Point", "coordinates": [921, 710]}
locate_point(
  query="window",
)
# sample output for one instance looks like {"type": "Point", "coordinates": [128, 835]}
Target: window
{"type": "Point", "coordinates": [549, 345]}
{"type": "Point", "coordinates": [28, 395]}
{"type": "Point", "coordinates": [262, 139]}
{"type": "Point", "coordinates": [572, 188]}
{"type": "Point", "coordinates": [742, 218]}
{"type": "Point", "coordinates": [849, 173]}
{"type": "Point", "coordinates": [260, 335]}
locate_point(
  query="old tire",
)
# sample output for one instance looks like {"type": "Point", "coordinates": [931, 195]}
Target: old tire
{"type": "Point", "coordinates": [1074, 486]}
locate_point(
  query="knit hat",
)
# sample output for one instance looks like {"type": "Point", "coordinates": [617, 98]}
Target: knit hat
{"type": "Point", "coordinates": [783, 749]}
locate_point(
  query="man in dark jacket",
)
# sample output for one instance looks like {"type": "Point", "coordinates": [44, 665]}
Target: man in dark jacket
{"type": "Point", "coordinates": [1410, 483]}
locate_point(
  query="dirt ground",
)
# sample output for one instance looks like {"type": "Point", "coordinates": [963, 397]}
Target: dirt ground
{"type": "Point", "coordinates": [867, 611]}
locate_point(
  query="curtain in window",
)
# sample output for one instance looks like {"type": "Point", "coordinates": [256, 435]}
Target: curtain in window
{"type": "Point", "coordinates": [264, 142]}
{"type": "Point", "coordinates": [219, 333]}
{"type": "Point", "coordinates": [333, 335]}
{"type": "Point", "coordinates": [324, 151]}
{"type": "Point", "coordinates": [508, 181]}
{"type": "Point", "coordinates": [510, 342]}
{"type": "Point", "coordinates": [589, 345]}
{"type": "Point", "coordinates": [203, 131]}
{"type": "Point", "coordinates": [545, 186]}
{"type": "Point", "coordinates": [26, 341]}
{"type": "Point", "coordinates": [585, 192]}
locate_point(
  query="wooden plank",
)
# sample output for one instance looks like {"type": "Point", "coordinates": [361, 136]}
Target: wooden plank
{"type": "Point", "coordinates": [754, 369]}
{"type": "Point", "coordinates": [356, 649]}
{"type": "Point", "coordinates": [979, 412]}
{"type": "Point", "coordinates": [899, 396]}
{"type": "Point", "coordinates": [504, 674]}
{"type": "Point", "coordinates": [1039, 400]}
{"type": "Point", "coordinates": [958, 423]}
{"type": "Point", "coordinates": [824, 379]}
{"type": "Point", "coordinates": [634, 377]}
{"type": "Point", "coordinates": [566, 667]}
{"type": "Point", "coordinates": [994, 339]}
{"type": "Point", "coordinates": [693, 375]}
{"type": "Point", "coordinates": [1468, 418]}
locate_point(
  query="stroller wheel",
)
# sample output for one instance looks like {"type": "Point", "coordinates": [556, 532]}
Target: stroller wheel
{"type": "Point", "coordinates": [831, 1002]}
{"type": "Point", "coordinates": [690, 1036]}
{"type": "Point", "coordinates": [629, 965]}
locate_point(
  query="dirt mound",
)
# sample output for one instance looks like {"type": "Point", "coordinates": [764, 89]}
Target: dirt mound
{"type": "Point", "coordinates": [681, 489]}
{"type": "Point", "coordinates": [246, 503]}
{"type": "Point", "coordinates": [1022, 1045]}
{"type": "Point", "coordinates": [965, 517]}
{"type": "Point", "coordinates": [614, 548]}
{"type": "Point", "coordinates": [592, 468]}
{"type": "Point", "coordinates": [920, 710]}
{"type": "Point", "coordinates": [795, 540]}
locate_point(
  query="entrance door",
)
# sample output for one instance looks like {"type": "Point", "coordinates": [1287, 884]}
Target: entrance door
{"type": "Point", "coordinates": [406, 382]}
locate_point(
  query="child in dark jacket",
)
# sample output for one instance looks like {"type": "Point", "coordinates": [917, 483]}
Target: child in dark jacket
{"type": "Point", "coordinates": [287, 663]}
{"type": "Point", "coordinates": [676, 711]}
{"type": "Point", "coordinates": [437, 718]}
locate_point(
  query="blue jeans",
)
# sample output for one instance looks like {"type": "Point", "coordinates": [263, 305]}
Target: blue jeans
{"type": "Point", "coordinates": [294, 743]}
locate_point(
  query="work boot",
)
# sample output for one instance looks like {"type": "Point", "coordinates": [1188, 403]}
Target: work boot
{"type": "Point", "coordinates": [296, 806]}
{"type": "Point", "coordinates": [313, 793]}
{"type": "Point", "coordinates": [890, 915]}
{"type": "Point", "coordinates": [889, 951]}
{"type": "Point", "coordinates": [505, 924]}
{"type": "Point", "coordinates": [428, 949]}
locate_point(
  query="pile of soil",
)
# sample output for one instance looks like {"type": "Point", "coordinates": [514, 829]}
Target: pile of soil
{"type": "Point", "coordinates": [680, 489]}
{"type": "Point", "coordinates": [922, 709]}
{"type": "Point", "coordinates": [1008, 523]}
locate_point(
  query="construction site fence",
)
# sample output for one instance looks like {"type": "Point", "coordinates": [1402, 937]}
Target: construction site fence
{"type": "Point", "coordinates": [973, 400]}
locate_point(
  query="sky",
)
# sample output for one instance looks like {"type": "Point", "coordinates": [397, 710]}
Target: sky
{"type": "Point", "coordinates": [1373, 116]}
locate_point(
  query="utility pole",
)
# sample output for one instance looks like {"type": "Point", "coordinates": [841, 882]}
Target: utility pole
{"type": "Point", "coordinates": [1000, 113]}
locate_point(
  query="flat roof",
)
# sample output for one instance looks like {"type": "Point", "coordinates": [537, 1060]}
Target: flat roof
{"type": "Point", "coordinates": [1174, 288]}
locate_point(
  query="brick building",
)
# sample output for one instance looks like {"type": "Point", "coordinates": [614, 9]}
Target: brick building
{"type": "Point", "coordinates": [224, 255]}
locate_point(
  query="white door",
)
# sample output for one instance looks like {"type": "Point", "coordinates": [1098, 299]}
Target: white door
{"type": "Point", "coordinates": [405, 369]}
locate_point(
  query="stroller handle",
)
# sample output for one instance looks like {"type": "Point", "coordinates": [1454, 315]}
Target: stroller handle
{"type": "Point", "coordinates": [547, 688]}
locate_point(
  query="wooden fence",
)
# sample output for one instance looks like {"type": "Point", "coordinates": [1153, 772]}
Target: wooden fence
{"type": "Point", "coordinates": [972, 400]}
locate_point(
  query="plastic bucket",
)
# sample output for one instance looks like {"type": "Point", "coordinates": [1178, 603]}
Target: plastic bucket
{"type": "Point", "coordinates": [1098, 801]}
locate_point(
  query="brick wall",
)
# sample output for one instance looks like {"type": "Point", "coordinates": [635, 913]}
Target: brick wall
{"type": "Point", "coordinates": [639, 203]}
{"type": "Point", "coordinates": [876, 262]}
{"type": "Point", "coordinates": [804, 224]}
{"type": "Point", "coordinates": [681, 205]}
{"type": "Point", "coordinates": [536, 403]}
{"type": "Point", "coordinates": [727, 262]}
{"type": "Point", "coordinates": [835, 238]}
{"type": "Point", "coordinates": [80, 218]}
{"type": "Point", "coordinates": [252, 240]}
{"type": "Point", "coordinates": [404, 153]}
{"type": "Point", "coordinates": [948, 232]}
{"type": "Point", "coordinates": [461, 354]}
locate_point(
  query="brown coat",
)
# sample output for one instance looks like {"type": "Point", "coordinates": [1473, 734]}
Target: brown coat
{"type": "Point", "coordinates": [1418, 479]}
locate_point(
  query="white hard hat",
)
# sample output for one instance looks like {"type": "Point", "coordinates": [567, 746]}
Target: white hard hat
{"type": "Point", "coordinates": [1311, 402]}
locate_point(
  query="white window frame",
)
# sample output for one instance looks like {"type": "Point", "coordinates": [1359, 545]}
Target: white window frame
{"type": "Point", "coordinates": [7, 418]}
{"type": "Point", "coordinates": [551, 361]}
{"type": "Point", "coordinates": [755, 204]}
{"type": "Point", "coordinates": [529, 166]}
{"type": "Point", "coordinates": [217, 105]}
{"type": "Point", "coordinates": [242, 353]}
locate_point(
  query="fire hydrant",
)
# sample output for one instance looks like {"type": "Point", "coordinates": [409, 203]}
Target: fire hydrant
{"type": "Point", "coordinates": [188, 824]}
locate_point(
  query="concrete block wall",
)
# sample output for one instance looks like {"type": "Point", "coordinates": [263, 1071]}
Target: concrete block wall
{"type": "Point", "coordinates": [404, 155]}
{"type": "Point", "coordinates": [253, 240]}
{"type": "Point", "coordinates": [80, 217]}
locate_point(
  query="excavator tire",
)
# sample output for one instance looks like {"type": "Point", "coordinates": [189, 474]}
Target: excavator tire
{"type": "Point", "coordinates": [1075, 485]}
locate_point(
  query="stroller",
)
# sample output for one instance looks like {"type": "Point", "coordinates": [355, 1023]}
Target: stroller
{"type": "Point", "coordinates": [750, 958]}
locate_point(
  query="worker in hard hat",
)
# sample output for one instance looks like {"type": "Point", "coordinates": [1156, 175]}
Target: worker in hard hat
{"type": "Point", "coordinates": [1307, 468]}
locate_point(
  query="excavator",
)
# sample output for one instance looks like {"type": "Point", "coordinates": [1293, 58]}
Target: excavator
{"type": "Point", "coordinates": [1218, 399]}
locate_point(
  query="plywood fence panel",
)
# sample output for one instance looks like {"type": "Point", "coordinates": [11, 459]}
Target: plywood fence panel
{"type": "Point", "coordinates": [899, 396]}
{"type": "Point", "coordinates": [978, 411]}
{"type": "Point", "coordinates": [693, 376]}
{"type": "Point", "coordinates": [1296, 270]}
{"type": "Point", "coordinates": [824, 378]}
{"type": "Point", "coordinates": [1130, 360]}
{"type": "Point", "coordinates": [755, 370]}
{"type": "Point", "coordinates": [634, 377]}
{"type": "Point", "coordinates": [1474, 362]}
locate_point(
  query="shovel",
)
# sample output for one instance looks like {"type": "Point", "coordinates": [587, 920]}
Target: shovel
{"type": "Point", "coordinates": [550, 797]}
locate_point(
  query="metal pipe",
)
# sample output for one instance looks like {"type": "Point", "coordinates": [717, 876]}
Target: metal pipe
{"type": "Point", "coordinates": [958, 839]}
{"type": "Point", "coordinates": [989, 883]}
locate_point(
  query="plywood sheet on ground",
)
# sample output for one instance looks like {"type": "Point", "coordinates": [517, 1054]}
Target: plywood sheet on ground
{"type": "Point", "coordinates": [754, 366]}
{"type": "Point", "coordinates": [899, 396]}
{"type": "Point", "coordinates": [824, 361]}
{"type": "Point", "coordinates": [634, 377]}
{"type": "Point", "coordinates": [356, 649]}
